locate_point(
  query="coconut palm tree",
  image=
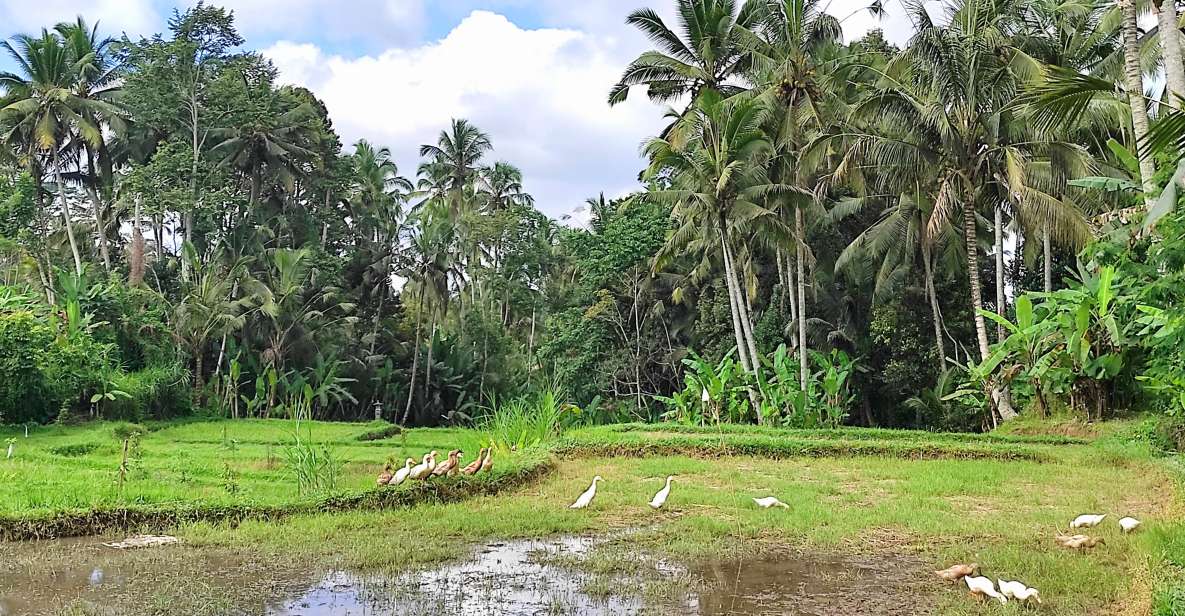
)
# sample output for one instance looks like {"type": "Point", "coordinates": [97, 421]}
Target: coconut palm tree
{"type": "Point", "coordinates": [276, 139]}
{"type": "Point", "coordinates": [707, 55]}
{"type": "Point", "coordinates": [379, 193]}
{"type": "Point", "coordinates": [427, 269]}
{"type": "Point", "coordinates": [796, 58]}
{"type": "Point", "coordinates": [456, 159]}
{"type": "Point", "coordinates": [98, 72]}
{"type": "Point", "coordinates": [906, 233]}
{"type": "Point", "coordinates": [44, 111]}
{"type": "Point", "coordinates": [209, 309]}
{"type": "Point", "coordinates": [501, 186]}
{"type": "Point", "coordinates": [716, 166]}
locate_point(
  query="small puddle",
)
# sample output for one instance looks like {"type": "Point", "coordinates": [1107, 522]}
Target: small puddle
{"type": "Point", "coordinates": [521, 577]}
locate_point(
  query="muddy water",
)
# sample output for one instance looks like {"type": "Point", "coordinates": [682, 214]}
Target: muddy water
{"type": "Point", "coordinates": [813, 586]}
{"type": "Point", "coordinates": [501, 578]}
{"type": "Point", "coordinates": [529, 577]}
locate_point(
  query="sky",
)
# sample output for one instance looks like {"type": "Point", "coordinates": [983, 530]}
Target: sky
{"type": "Point", "coordinates": [533, 74]}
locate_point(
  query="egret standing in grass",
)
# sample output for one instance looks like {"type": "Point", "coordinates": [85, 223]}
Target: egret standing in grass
{"type": "Point", "coordinates": [588, 495]}
{"type": "Point", "coordinates": [660, 499]}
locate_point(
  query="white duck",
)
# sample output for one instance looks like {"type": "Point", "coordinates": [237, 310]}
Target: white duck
{"type": "Point", "coordinates": [661, 497]}
{"type": "Point", "coordinates": [401, 474]}
{"type": "Point", "coordinates": [1087, 520]}
{"type": "Point", "coordinates": [588, 495]}
{"type": "Point", "coordinates": [1017, 590]}
{"type": "Point", "coordinates": [983, 587]}
{"type": "Point", "coordinates": [424, 468]}
{"type": "Point", "coordinates": [1128, 524]}
{"type": "Point", "coordinates": [770, 501]}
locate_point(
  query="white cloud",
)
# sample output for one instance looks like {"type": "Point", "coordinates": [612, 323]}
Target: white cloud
{"type": "Point", "coordinates": [114, 16]}
{"type": "Point", "coordinates": [540, 94]}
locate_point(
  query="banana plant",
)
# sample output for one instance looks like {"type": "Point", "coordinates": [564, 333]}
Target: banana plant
{"type": "Point", "coordinates": [1027, 349]}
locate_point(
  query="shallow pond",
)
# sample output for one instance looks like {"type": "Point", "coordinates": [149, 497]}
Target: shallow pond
{"type": "Point", "coordinates": [523, 577]}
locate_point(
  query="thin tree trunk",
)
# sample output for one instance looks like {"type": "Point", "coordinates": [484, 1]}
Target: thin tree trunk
{"type": "Point", "coordinates": [1000, 394]}
{"type": "Point", "coordinates": [1001, 303]}
{"type": "Point", "coordinates": [1170, 41]}
{"type": "Point", "coordinates": [791, 292]}
{"type": "Point", "coordinates": [46, 288]}
{"type": "Point", "coordinates": [100, 225]}
{"type": "Point", "coordinates": [1134, 83]}
{"type": "Point", "coordinates": [198, 381]}
{"type": "Point", "coordinates": [800, 231]}
{"type": "Point", "coordinates": [378, 315]}
{"type": "Point", "coordinates": [57, 171]}
{"type": "Point", "coordinates": [415, 361]}
{"type": "Point", "coordinates": [935, 311]}
{"type": "Point", "coordinates": [136, 265]}
{"type": "Point", "coordinates": [734, 311]}
{"type": "Point", "coordinates": [972, 244]}
{"type": "Point", "coordinates": [1046, 248]}
{"type": "Point", "coordinates": [746, 317]}
{"type": "Point", "coordinates": [158, 233]}
{"type": "Point", "coordinates": [428, 360]}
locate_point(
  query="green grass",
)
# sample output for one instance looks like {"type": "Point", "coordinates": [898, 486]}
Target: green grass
{"type": "Point", "coordinates": [64, 480]}
{"type": "Point", "coordinates": [942, 498]}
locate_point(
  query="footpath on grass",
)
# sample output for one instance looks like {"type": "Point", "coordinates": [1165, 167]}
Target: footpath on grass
{"type": "Point", "coordinates": [622, 440]}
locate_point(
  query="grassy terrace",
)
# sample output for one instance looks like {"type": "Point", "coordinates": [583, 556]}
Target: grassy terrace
{"type": "Point", "coordinates": [934, 499]}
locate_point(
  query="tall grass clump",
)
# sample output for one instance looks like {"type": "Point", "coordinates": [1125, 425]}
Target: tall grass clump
{"type": "Point", "coordinates": [528, 420]}
{"type": "Point", "coordinates": [314, 467]}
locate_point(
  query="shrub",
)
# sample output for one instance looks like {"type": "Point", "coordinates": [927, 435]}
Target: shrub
{"type": "Point", "coordinates": [26, 391]}
{"type": "Point", "coordinates": [156, 392]}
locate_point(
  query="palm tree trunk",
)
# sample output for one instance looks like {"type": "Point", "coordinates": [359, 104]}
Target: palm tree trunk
{"type": "Point", "coordinates": [800, 232]}
{"type": "Point", "coordinates": [1134, 83]}
{"type": "Point", "coordinates": [1170, 41]}
{"type": "Point", "coordinates": [935, 311]}
{"type": "Point", "coordinates": [100, 229]}
{"type": "Point", "coordinates": [746, 313]}
{"type": "Point", "coordinates": [136, 265]}
{"type": "Point", "coordinates": [791, 290]}
{"type": "Point", "coordinates": [1001, 303]}
{"type": "Point", "coordinates": [729, 281]}
{"type": "Point", "coordinates": [57, 171]}
{"type": "Point", "coordinates": [1046, 248]}
{"type": "Point", "coordinates": [198, 381]}
{"type": "Point", "coordinates": [749, 364]}
{"type": "Point", "coordinates": [415, 361]}
{"type": "Point", "coordinates": [378, 315]}
{"type": "Point", "coordinates": [1000, 395]}
{"type": "Point", "coordinates": [97, 208]}
{"type": "Point", "coordinates": [972, 245]}
{"type": "Point", "coordinates": [428, 360]}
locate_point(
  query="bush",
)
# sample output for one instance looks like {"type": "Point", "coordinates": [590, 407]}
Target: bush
{"type": "Point", "coordinates": [156, 392]}
{"type": "Point", "coordinates": [26, 392]}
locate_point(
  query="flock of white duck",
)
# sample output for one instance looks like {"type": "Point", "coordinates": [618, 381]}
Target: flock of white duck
{"type": "Point", "coordinates": [983, 588]}
{"type": "Point", "coordinates": [428, 467]}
